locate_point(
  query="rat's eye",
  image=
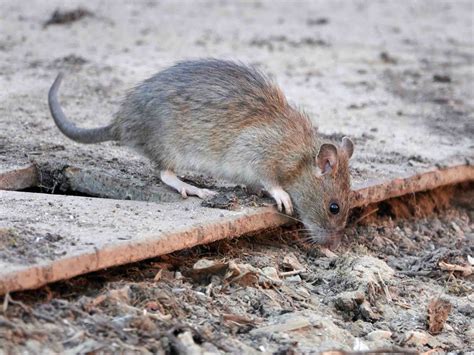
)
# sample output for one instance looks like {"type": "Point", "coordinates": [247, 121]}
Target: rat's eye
{"type": "Point", "coordinates": [334, 208]}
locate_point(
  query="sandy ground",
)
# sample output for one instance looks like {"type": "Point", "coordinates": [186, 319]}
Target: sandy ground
{"type": "Point", "coordinates": [395, 76]}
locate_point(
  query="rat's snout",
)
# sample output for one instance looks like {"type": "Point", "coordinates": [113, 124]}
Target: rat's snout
{"type": "Point", "coordinates": [330, 238]}
{"type": "Point", "coordinates": [334, 240]}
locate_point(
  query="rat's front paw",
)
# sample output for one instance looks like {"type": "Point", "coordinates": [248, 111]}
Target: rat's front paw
{"type": "Point", "coordinates": [282, 199]}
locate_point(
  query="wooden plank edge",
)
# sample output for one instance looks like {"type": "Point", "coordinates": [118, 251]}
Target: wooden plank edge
{"type": "Point", "coordinates": [427, 180]}
{"type": "Point", "coordinates": [129, 252]}
{"type": "Point", "coordinates": [259, 219]}
{"type": "Point", "coordinates": [19, 179]}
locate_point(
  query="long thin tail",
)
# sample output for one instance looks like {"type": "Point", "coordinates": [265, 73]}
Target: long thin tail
{"type": "Point", "coordinates": [69, 129]}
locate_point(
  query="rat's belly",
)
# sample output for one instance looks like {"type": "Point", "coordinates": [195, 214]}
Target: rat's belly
{"type": "Point", "coordinates": [220, 166]}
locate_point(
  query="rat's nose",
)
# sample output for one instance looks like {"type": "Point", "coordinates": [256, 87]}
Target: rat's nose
{"type": "Point", "coordinates": [333, 239]}
{"type": "Point", "coordinates": [333, 242]}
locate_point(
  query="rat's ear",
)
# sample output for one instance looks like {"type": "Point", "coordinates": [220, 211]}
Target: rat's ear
{"type": "Point", "coordinates": [327, 158]}
{"type": "Point", "coordinates": [347, 146]}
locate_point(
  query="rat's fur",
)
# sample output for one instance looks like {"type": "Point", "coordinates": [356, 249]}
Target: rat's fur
{"type": "Point", "coordinates": [229, 121]}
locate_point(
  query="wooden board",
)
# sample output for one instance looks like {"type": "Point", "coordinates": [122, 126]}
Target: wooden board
{"type": "Point", "coordinates": [64, 236]}
{"type": "Point", "coordinates": [407, 105]}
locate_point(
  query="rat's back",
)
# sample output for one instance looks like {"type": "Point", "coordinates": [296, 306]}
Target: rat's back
{"type": "Point", "coordinates": [200, 91]}
{"type": "Point", "coordinates": [197, 114]}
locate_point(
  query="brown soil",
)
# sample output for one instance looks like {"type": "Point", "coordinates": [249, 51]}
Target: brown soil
{"type": "Point", "coordinates": [384, 289]}
{"type": "Point", "coordinates": [395, 76]}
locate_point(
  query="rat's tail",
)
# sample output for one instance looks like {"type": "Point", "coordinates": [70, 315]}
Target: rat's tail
{"type": "Point", "coordinates": [69, 129]}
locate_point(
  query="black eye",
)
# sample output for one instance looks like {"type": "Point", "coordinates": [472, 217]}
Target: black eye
{"type": "Point", "coordinates": [334, 208]}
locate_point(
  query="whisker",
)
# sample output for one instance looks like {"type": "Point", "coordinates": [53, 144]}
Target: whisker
{"type": "Point", "coordinates": [365, 216]}
{"type": "Point", "coordinates": [303, 231]}
{"type": "Point", "coordinates": [284, 214]}
{"type": "Point", "coordinates": [308, 238]}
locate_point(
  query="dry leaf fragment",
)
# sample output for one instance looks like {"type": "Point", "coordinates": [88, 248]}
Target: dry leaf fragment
{"type": "Point", "coordinates": [158, 275]}
{"type": "Point", "coordinates": [204, 268]}
{"type": "Point", "coordinates": [237, 319]}
{"type": "Point", "coordinates": [271, 273]}
{"type": "Point", "coordinates": [241, 274]}
{"type": "Point", "coordinates": [438, 312]}
{"type": "Point", "coordinates": [203, 264]}
{"type": "Point", "coordinates": [328, 253]}
{"type": "Point", "coordinates": [465, 270]}
{"type": "Point", "coordinates": [291, 262]}
{"type": "Point", "coordinates": [293, 323]}
{"type": "Point", "coordinates": [120, 295]}
{"type": "Point", "coordinates": [247, 279]}
{"type": "Point", "coordinates": [97, 301]}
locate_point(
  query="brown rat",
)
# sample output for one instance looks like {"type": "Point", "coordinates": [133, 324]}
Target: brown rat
{"type": "Point", "coordinates": [230, 121]}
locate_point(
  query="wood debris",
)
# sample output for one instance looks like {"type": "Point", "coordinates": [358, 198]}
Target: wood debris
{"type": "Point", "coordinates": [290, 262]}
{"type": "Point", "coordinates": [465, 270]}
{"type": "Point", "coordinates": [294, 323]}
{"type": "Point", "coordinates": [438, 312]}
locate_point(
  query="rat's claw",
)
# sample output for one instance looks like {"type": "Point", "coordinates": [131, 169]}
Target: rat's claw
{"type": "Point", "coordinates": [184, 193]}
{"type": "Point", "coordinates": [279, 206]}
{"type": "Point", "coordinates": [282, 199]}
{"type": "Point", "coordinates": [288, 205]}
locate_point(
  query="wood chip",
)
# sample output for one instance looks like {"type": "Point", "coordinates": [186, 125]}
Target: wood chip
{"type": "Point", "coordinates": [291, 273]}
{"type": "Point", "coordinates": [158, 275]}
{"type": "Point", "coordinates": [328, 253]}
{"type": "Point", "coordinates": [237, 319]}
{"type": "Point", "coordinates": [465, 270]}
{"type": "Point", "coordinates": [438, 312]}
{"type": "Point", "coordinates": [297, 322]}
{"type": "Point", "coordinates": [204, 268]}
{"type": "Point", "coordinates": [291, 262]}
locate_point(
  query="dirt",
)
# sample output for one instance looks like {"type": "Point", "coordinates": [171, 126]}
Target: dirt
{"type": "Point", "coordinates": [234, 198]}
{"type": "Point", "coordinates": [385, 288]}
{"type": "Point", "coordinates": [25, 245]}
{"type": "Point", "coordinates": [394, 76]}
{"type": "Point", "coordinates": [62, 17]}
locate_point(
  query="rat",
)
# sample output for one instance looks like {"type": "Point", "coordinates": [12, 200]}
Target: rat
{"type": "Point", "coordinates": [230, 121]}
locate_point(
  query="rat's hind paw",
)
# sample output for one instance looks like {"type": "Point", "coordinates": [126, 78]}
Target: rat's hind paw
{"type": "Point", "coordinates": [282, 199]}
{"type": "Point", "coordinates": [205, 193]}
{"type": "Point", "coordinates": [196, 191]}
{"type": "Point", "coordinates": [170, 179]}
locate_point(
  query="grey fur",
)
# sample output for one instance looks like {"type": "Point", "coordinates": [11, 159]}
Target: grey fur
{"type": "Point", "coordinates": [188, 117]}
{"type": "Point", "coordinates": [229, 121]}
{"type": "Point", "coordinates": [69, 129]}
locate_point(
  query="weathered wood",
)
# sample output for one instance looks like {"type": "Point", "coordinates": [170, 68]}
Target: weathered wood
{"type": "Point", "coordinates": [18, 178]}
{"type": "Point", "coordinates": [97, 234]}
{"type": "Point", "coordinates": [101, 233]}
{"type": "Point", "coordinates": [427, 180]}
{"type": "Point", "coordinates": [293, 323]}
{"type": "Point", "coordinates": [101, 184]}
